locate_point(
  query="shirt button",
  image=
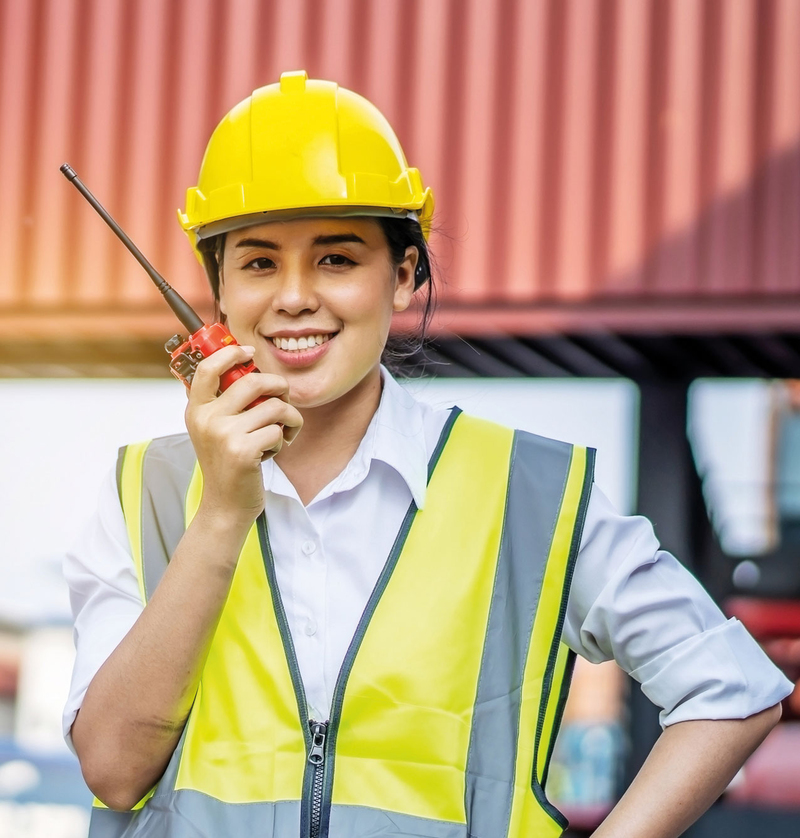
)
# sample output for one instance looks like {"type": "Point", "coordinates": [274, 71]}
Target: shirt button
{"type": "Point", "coordinates": [311, 628]}
{"type": "Point", "coordinates": [308, 547]}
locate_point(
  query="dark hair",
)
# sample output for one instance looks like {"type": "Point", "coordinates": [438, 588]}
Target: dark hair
{"type": "Point", "coordinates": [211, 250]}
{"type": "Point", "coordinates": [400, 233]}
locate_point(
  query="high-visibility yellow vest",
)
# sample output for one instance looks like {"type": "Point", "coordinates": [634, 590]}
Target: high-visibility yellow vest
{"type": "Point", "coordinates": [447, 706]}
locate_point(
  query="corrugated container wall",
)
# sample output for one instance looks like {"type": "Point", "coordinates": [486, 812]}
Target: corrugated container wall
{"type": "Point", "coordinates": [591, 158]}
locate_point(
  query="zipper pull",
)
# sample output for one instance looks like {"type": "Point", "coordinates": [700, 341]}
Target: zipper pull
{"type": "Point", "coordinates": [319, 731]}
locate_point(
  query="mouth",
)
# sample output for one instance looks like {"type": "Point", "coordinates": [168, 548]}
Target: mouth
{"type": "Point", "coordinates": [300, 351]}
{"type": "Point", "coordinates": [302, 343]}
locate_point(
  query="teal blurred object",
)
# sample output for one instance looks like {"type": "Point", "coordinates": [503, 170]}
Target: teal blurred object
{"type": "Point", "coordinates": [41, 796]}
{"type": "Point", "coordinates": [585, 771]}
{"type": "Point", "coordinates": [59, 778]}
{"type": "Point", "coordinates": [787, 489]}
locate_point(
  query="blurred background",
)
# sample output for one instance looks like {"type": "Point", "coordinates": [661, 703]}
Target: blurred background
{"type": "Point", "coordinates": [618, 248]}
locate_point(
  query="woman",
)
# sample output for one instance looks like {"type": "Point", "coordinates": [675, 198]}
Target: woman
{"type": "Point", "coordinates": [246, 647]}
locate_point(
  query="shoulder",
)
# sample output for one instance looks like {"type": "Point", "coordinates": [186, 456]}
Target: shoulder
{"type": "Point", "coordinates": [525, 443]}
{"type": "Point", "coordinates": [160, 446]}
{"type": "Point", "coordinates": [163, 458]}
{"type": "Point", "coordinates": [172, 448]}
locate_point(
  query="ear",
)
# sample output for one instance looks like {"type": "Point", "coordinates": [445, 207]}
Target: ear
{"type": "Point", "coordinates": [221, 299]}
{"type": "Point", "coordinates": [221, 282]}
{"type": "Point", "coordinates": [404, 280]}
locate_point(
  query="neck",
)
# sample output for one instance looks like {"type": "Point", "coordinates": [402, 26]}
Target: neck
{"type": "Point", "coordinates": [330, 436]}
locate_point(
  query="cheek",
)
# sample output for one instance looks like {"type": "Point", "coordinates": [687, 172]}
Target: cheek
{"type": "Point", "coordinates": [362, 305]}
{"type": "Point", "coordinates": [241, 303]}
{"type": "Point", "coordinates": [370, 302]}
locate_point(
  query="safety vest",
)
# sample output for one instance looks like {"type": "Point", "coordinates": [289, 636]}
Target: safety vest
{"type": "Point", "coordinates": [446, 708]}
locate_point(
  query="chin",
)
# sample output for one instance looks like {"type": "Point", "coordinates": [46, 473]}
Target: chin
{"type": "Point", "coordinates": [306, 395]}
{"type": "Point", "coordinates": [309, 394]}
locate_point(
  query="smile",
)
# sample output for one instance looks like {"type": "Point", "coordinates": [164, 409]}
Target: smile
{"type": "Point", "coordinates": [297, 344]}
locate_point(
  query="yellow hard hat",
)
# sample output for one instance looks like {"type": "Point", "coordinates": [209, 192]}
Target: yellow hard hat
{"type": "Point", "coordinates": [302, 147]}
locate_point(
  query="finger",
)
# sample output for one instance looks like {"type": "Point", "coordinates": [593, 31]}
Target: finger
{"type": "Point", "coordinates": [274, 411]}
{"type": "Point", "coordinates": [267, 440]}
{"type": "Point", "coordinates": [205, 383]}
{"type": "Point", "coordinates": [245, 390]}
{"type": "Point", "coordinates": [292, 428]}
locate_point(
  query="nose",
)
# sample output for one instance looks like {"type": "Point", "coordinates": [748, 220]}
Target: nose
{"type": "Point", "coordinates": [295, 292]}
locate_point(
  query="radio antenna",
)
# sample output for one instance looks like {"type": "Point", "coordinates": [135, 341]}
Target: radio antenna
{"type": "Point", "coordinates": [183, 311]}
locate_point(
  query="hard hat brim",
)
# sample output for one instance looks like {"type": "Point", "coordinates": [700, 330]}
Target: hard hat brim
{"type": "Point", "coordinates": [227, 225]}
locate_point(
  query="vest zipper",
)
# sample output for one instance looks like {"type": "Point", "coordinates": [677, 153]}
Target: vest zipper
{"type": "Point", "coordinates": [316, 756]}
{"type": "Point", "coordinates": [321, 737]}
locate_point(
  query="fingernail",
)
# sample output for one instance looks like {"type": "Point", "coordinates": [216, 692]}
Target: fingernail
{"type": "Point", "coordinates": [250, 350]}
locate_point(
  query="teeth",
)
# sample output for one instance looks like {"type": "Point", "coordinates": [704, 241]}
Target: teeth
{"type": "Point", "coordinates": [297, 344]}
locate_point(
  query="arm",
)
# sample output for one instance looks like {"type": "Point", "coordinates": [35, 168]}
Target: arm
{"type": "Point", "coordinates": [689, 767]}
{"type": "Point", "coordinates": [634, 603]}
{"type": "Point", "coordinates": [137, 703]}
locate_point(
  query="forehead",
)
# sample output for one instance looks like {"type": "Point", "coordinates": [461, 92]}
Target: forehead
{"type": "Point", "coordinates": [304, 231]}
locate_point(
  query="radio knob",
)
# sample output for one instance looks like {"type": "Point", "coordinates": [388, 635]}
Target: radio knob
{"type": "Point", "coordinates": [173, 343]}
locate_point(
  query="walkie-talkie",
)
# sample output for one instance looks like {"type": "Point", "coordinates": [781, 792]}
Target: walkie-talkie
{"type": "Point", "coordinates": [204, 339]}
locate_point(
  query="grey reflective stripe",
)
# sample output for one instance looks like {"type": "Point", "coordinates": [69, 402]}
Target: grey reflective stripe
{"type": "Point", "coordinates": [361, 821]}
{"type": "Point", "coordinates": [167, 470]}
{"type": "Point", "coordinates": [539, 469]}
{"type": "Point", "coordinates": [566, 673]}
{"type": "Point", "coordinates": [120, 461]}
{"type": "Point", "coordinates": [108, 824]}
{"type": "Point", "coordinates": [191, 814]}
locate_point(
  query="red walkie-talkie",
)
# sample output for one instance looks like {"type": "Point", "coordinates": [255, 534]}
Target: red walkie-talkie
{"type": "Point", "coordinates": [204, 339]}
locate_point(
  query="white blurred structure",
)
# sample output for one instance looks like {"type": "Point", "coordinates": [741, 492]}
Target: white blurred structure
{"type": "Point", "coordinates": [44, 676]}
{"type": "Point", "coordinates": [60, 437]}
{"type": "Point", "coordinates": [42, 821]}
{"type": "Point", "coordinates": [598, 413]}
{"type": "Point", "coordinates": [729, 428]}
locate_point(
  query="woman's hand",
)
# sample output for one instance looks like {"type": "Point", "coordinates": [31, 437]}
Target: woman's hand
{"type": "Point", "coordinates": [231, 440]}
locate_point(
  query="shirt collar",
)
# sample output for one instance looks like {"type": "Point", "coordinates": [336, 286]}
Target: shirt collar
{"type": "Point", "coordinates": [400, 436]}
{"type": "Point", "coordinates": [395, 436]}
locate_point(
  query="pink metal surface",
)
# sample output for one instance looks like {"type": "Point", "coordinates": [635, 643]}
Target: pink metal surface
{"type": "Point", "coordinates": [769, 777]}
{"type": "Point", "coordinates": [597, 163]}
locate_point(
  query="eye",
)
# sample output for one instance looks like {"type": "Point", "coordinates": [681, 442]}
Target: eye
{"type": "Point", "coordinates": [261, 263]}
{"type": "Point", "coordinates": [336, 260]}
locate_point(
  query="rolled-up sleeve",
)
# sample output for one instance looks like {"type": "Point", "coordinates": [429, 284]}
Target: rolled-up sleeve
{"type": "Point", "coordinates": [634, 603]}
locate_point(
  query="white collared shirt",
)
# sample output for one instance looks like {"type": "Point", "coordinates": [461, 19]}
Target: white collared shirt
{"type": "Point", "coordinates": [629, 600]}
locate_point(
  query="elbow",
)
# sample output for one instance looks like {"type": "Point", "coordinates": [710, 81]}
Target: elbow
{"type": "Point", "coordinates": [762, 723]}
{"type": "Point", "coordinates": [774, 714]}
{"type": "Point", "coordinates": [115, 777]}
{"type": "Point", "coordinates": [114, 790]}
{"type": "Point", "coordinates": [117, 774]}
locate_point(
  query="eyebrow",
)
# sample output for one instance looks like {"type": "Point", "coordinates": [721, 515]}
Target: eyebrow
{"type": "Point", "coordinates": [337, 238]}
{"type": "Point", "coordinates": [258, 243]}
